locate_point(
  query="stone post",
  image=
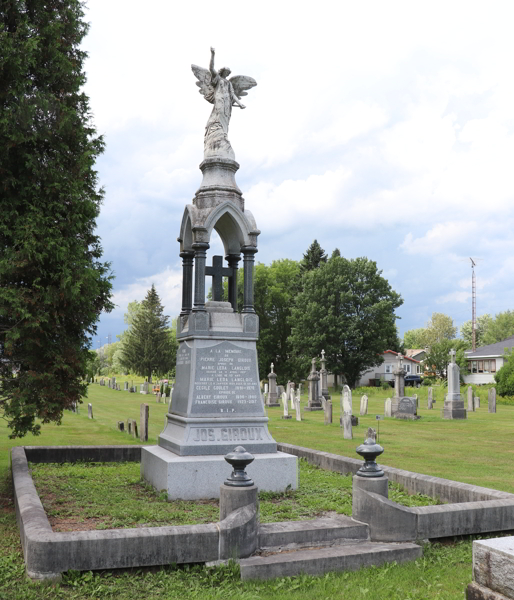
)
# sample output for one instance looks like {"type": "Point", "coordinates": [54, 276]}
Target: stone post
{"type": "Point", "coordinates": [314, 402]}
{"type": "Point", "coordinates": [232, 261]}
{"type": "Point", "coordinates": [323, 373]}
{"type": "Point", "coordinates": [143, 425]}
{"type": "Point", "coordinates": [346, 403]}
{"type": "Point", "coordinates": [471, 406]}
{"type": "Point", "coordinates": [364, 405]}
{"type": "Point", "coordinates": [90, 411]}
{"type": "Point", "coordinates": [453, 404]}
{"type": "Point", "coordinates": [477, 402]}
{"type": "Point", "coordinates": [121, 426]}
{"type": "Point", "coordinates": [187, 282]}
{"type": "Point", "coordinates": [248, 262]}
{"type": "Point", "coordinates": [273, 394]}
{"type": "Point", "coordinates": [399, 385]}
{"type": "Point", "coordinates": [492, 400]}
{"type": "Point", "coordinates": [430, 398]}
{"type": "Point", "coordinates": [200, 249]}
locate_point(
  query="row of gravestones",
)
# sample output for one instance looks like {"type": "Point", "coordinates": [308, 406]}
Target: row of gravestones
{"type": "Point", "coordinates": [132, 428]}
{"type": "Point", "coordinates": [143, 388]}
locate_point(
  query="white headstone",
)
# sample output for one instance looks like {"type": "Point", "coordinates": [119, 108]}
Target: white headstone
{"type": "Point", "coordinates": [471, 406]}
{"type": "Point", "coordinates": [364, 405]}
{"type": "Point", "coordinates": [388, 408]}
{"type": "Point", "coordinates": [346, 400]}
{"type": "Point", "coordinates": [347, 426]}
{"type": "Point", "coordinates": [298, 408]}
{"type": "Point", "coordinates": [286, 405]}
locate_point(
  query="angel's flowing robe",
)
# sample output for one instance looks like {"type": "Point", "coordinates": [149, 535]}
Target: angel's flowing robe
{"type": "Point", "coordinates": [216, 141]}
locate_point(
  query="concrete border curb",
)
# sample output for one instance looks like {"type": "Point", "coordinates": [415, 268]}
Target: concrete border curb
{"type": "Point", "coordinates": [470, 509]}
{"type": "Point", "coordinates": [48, 554]}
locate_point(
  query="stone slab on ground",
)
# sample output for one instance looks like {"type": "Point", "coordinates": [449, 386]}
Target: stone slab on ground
{"type": "Point", "coordinates": [478, 592]}
{"type": "Point", "coordinates": [493, 565]}
{"type": "Point", "coordinates": [199, 477]}
{"type": "Point", "coordinates": [338, 529]}
{"type": "Point", "coordinates": [336, 558]}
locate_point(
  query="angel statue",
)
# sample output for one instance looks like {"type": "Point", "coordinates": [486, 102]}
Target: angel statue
{"type": "Point", "coordinates": [223, 93]}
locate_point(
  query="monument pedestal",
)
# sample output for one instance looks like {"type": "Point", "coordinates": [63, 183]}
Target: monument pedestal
{"type": "Point", "coordinates": [198, 477]}
{"type": "Point", "coordinates": [454, 410]}
{"type": "Point", "coordinates": [453, 407]}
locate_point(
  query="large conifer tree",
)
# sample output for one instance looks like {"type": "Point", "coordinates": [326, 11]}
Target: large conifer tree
{"type": "Point", "coordinates": [53, 286]}
{"type": "Point", "coordinates": [148, 346]}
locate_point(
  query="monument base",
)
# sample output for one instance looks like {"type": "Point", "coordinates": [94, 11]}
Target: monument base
{"type": "Point", "coordinates": [272, 404]}
{"type": "Point", "coordinates": [287, 417]}
{"type": "Point", "coordinates": [200, 477]}
{"type": "Point", "coordinates": [450, 411]}
{"type": "Point", "coordinates": [314, 406]}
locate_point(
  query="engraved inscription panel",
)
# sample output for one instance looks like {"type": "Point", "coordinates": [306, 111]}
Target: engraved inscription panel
{"type": "Point", "coordinates": [228, 434]}
{"type": "Point", "coordinates": [226, 381]}
{"type": "Point", "coordinates": [183, 373]}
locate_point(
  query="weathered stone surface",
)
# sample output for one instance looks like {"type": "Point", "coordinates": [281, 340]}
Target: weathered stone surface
{"type": "Point", "coordinates": [197, 477]}
{"type": "Point", "coordinates": [285, 404]}
{"type": "Point", "coordinates": [492, 400]}
{"type": "Point", "coordinates": [90, 411]}
{"type": "Point", "coordinates": [328, 413]}
{"type": "Point", "coordinates": [471, 406]}
{"type": "Point", "coordinates": [143, 423]}
{"type": "Point", "coordinates": [387, 407]}
{"type": "Point", "coordinates": [493, 564]}
{"type": "Point", "coordinates": [347, 426]}
{"type": "Point", "coordinates": [346, 400]}
{"type": "Point", "coordinates": [406, 409]}
{"type": "Point", "coordinates": [364, 405]}
{"type": "Point", "coordinates": [430, 401]}
{"type": "Point", "coordinates": [453, 404]}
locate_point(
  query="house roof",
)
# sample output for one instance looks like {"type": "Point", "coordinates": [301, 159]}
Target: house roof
{"type": "Point", "coordinates": [405, 357]}
{"type": "Point", "coordinates": [411, 352]}
{"type": "Point", "coordinates": [492, 349]}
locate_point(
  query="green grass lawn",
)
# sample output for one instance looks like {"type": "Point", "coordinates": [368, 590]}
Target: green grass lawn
{"type": "Point", "coordinates": [478, 450]}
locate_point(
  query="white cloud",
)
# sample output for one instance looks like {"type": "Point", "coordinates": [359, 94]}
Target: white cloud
{"type": "Point", "coordinates": [440, 238]}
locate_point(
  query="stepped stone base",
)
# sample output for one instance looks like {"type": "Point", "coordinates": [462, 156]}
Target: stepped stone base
{"type": "Point", "coordinates": [199, 477]}
{"type": "Point", "coordinates": [336, 558]}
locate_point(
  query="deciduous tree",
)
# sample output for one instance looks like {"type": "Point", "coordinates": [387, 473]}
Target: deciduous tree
{"type": "Point", "coordinates": [346, 308]}
{"type": "Point", "coordinates": [53, 286]}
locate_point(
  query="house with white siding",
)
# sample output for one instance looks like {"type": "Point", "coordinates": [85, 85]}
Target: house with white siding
{"type": "Point", "coordinates": [390, 364]}
{"type": "Point", "coordinates": [486, 361]}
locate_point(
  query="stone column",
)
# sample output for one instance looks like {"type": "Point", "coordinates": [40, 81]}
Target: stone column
{"type": "Point", "coordinates": [471, 406]}
{"type": "Point", "coordinates": [248, 261]}
{"type": "Point", "coordinates": [314, 402]}
{"type": "Point", "coordinates": [187, 281]}
{"type": "Point", "coordinates": [273, 394]}
{"type": "Point", "coordinates": [399, 385]}
{"type": "Point", "coordinates": [323, 373]}
{"type": "Point", "coordinates": [492, 400]}
{"type": "Point", "coordinates": [143, 425]}
{"type": "Point", "coordinates": [453, 404]}
{"type": "Point", "coordinates": [200, 249]}
{"type": "Point", "coordinates": [232, 261]}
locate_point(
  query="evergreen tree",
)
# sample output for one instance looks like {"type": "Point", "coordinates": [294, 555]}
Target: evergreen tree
{"type": "Point", "coordinates": [53, 286]}
{"type": "Point", "coordinates": [147, 346]}
{"type": "Point", "coordinates": [347, 309]}
{"type": "Point", "coordinates": [313, 258]}
{"type": "Point", "coordinates": [335, 253]}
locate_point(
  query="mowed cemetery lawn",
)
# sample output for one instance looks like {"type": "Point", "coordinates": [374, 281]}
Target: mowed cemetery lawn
{"type": "Point", "coordinates": [478, 450]}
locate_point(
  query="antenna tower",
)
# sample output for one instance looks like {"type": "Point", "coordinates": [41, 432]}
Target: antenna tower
{"type": "Point", "coordinates": [473, 305]}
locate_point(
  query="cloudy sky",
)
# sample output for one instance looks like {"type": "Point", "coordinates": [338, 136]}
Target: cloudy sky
{"type": "Point", "coordinates": [385, 129]}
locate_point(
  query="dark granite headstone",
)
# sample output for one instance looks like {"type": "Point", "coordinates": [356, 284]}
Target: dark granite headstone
{"type": "Point", "coordinates": [407, 409]}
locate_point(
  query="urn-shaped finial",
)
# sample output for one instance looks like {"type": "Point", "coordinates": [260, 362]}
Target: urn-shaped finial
{"type": "Point", "coordinates": [369, 451]}
{"type": "Point", "coordinates": [239, 459]}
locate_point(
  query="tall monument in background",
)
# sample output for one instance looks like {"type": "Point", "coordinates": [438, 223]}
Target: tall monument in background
{"type": "Point", "coordinates": [217, 403]}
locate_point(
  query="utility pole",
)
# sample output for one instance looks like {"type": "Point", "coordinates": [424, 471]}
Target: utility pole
{"type": "Point", "coordinates": [473, 305]}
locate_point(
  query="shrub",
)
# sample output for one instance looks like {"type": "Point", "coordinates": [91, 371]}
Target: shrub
{"type": "Point", "coordinates": [505, 377]}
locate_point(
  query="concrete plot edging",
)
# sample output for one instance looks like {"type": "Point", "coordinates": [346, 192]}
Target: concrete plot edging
{"type": "Point", "coordinates": [47, 554]}
{"type": "Point", "coordinates": [476, 510]}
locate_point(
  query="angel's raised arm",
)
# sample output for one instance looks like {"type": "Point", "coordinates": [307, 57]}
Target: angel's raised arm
{"type": "Point", "coordinates": [214, 73]}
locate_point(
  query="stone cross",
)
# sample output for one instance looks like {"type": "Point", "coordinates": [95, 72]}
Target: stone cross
{"type": "Point", "coordinates": [323, 355]}
{"type": "Point", "coordinates": [272, 365]}
{"type": "Point", "coordinates": [400, 361]}
{"type": "Point", "coordinates": [452, 354]}
{"type": "Point", "coordinates": [217, 272]}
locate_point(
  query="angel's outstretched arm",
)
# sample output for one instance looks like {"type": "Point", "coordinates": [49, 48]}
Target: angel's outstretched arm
{"type": "Point", "coordinates": [214, 73]}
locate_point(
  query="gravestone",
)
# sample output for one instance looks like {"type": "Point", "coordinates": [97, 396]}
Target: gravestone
{"type": "Point", "coordinates": [477, 402]}
{"type": "Point", "coordinates": [298, 407]}
{"type": "Point", "coordinates": [407, 409]}
{"type": "Point", "coordinates": [129, 426]}
{"type": "Point", "coordinates": [280, 390]}
{"type": "Point", "coordinates": [217, 402]}
{"type": "Point", "coordinates": [300, 389]}
{"type": "Point", "coordinates": [430, 401]}
{"type": "Point", "coordinates": [399, 384]}
{"type": "Point", "coordinates": [328, 412]}
{"type": "Point", "coordinates": [266, 388]}
{"type": "Point", "coordinates": [113, 382]}
{"type": "Point", "coordinates": [125, 386]}
{"type": "Point", "coordinates": [134, 428]}
{"type": "Point", "coordinates": [273, 392]}
{"type": "Point", "coordinates": [108, 383]}
{"type": "Point", "coordinates": [144, 415]}
{"type": "Point", "coordinates": [121, 426]}
{"type": "Point", "coordinates": [90, 411]}
{"type": "Point", "coordinates": [364, 405]}
{"type": "Point", "coordinates": [102, 382]}
{"type": "Point", "coordinates": [471, 406]}
{"type": "Point", "coordinates": [372, 434]}
{"type": "Point", "coordinates": [323, 373]}
{"type": "Point", "coordinates": [285, 403]}
{"type": "Point", "coordinates": [387, 408]}
{"type": "Point", "coordinates": [453, 404]}
{"type": "Point", "coordinates": [158, 397]}
{"type": "Point", "coordinates": [492, 400]}
{"type": "Point", "coordinates": [347, 426]}
{"type": "Point", "coordinates": [292, 394]}
{"type": "Point", "coordinates": [346, 400]}
{"type": "Point", "coordinates": [415, 398]}
{"type": "Point", "coordinates": [314, 402]}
